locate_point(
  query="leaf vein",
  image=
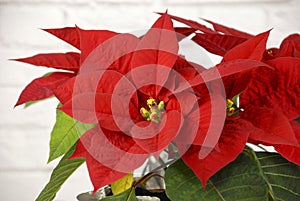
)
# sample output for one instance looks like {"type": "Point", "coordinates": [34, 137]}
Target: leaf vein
{"type": "Point", "coordinates": [289, 190]}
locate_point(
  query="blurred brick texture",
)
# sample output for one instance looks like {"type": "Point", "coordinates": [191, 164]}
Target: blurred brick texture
{"type": "Point", "coordinates": [24, 133]}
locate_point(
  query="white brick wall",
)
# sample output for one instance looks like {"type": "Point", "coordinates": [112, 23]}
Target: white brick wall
{"type": "Point", "coordinates": [24, 134]}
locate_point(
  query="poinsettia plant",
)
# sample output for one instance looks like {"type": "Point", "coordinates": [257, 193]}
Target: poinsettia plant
{"type": "Point", "coordinates": [124, 98]}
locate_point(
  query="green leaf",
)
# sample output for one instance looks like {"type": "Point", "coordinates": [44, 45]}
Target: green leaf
{"type": "Point", "coordinates": [59, 175]}
{"type": "Point", "coordinates": [122, 184]}
{"type": "Point", "coordinates": [240, 180]}
{"type": "Point", "coordinates": [65, 134]}
{"type": "Point", "coordinates": [128, 195]}
{"type": "Point", "coordinates": [282, 176]}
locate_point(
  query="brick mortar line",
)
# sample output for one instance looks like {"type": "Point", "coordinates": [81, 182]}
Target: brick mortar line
{"type": "Point", "coordinates": [19, 169]}
{"type": "Point", "coordinates": [170, 2]}
{"type": "Point", "coordinates": [21, 127]}
{"type": "Point", "coordinates": [76, 3]}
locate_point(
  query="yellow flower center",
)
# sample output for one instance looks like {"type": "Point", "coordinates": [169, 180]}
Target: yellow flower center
{"type": "Point", "coordinates": [154, 112]}
{"type": "Point", "coordinates": [231, 108]}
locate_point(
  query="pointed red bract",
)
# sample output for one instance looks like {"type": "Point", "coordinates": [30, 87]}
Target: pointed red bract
{"type": "Point", "coordinates": [253, 48]}
{"type": "Point", "coordinates": [278, 89]}
{"type": "Point", "coordinates": [290, 46]}
{"type": "Point", "coordinates": [225, 69]}
{"type": "Point", "coordinates": [218, 44]}
{"type": "Point", "coordinates": [272, 126]}
{"type": "Point", "coordinates": [100, 175]}
{"type": "Point", "coordinates": [158, 47]}
{"type": "Point", "coordinates": [90, 39]}
{"type": "Point", "coordinates": [183, 32]}
{"type": "Point", "coordinates": [42, 87]}
{"type": "Point", "coordinates": [66, 61]}
{"type": "Point", "coordinates": [67, 34]}
{"type": "Point", "coordinates": [230, 145]}
{"type": "Point", "coordinates": [229, 31]}
{"type": "Point", "coordinates": [289, 152]}
{"type": "Point", "coordinates": [218, 41]}
{"type": "Point", "coordinates": [192, 24]}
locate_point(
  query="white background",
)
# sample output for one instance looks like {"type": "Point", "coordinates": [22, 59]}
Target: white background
{"type": "Point", "coordinates": [24, 134]}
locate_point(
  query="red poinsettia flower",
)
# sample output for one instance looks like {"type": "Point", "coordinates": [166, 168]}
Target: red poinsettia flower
{"type": "Point", "coordinates": [128, 95]}
{"type": "Point", "coordinates": [264, 102]}
{"type": "Point", "coordinates": [270, 100]}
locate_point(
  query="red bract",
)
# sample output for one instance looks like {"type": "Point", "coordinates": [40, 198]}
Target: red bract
{"type": "Point", "coordinates": [217, 43]}
{"type": "Point", "coordinates": [42, 87]}
{"type": "Point", "coordinates": [219, 40]}
{"type": "Point", "coordinates": [289, 48]}
{"type": "Point", "coordinates": [229, 31]}
{"type": "Point", "coordinates": [291, 152]}
{"type": "Point", "coordinates": [253, 48]}
{"type": "Point", "coordinates": [99, 173]}
{"type": "Point", "coordinates": [276, 88]}
{"type": "Point", "coordinates": [230, 145]}
{"type": "Point", "coordinates": [67, 34]}
{"type": "Point", "coordinates": [66, 61]}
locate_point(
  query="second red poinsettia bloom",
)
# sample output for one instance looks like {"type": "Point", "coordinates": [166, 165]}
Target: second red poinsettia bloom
{"type": "Point", "coordinates": [261, 112]}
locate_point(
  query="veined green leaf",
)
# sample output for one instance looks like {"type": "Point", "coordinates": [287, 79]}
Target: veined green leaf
{"type": "Point", "coordinates": [257, 176]}
{"type": "Point", "coordinates": [128, 195]}
{"type": "Point", "coordinates": [59, 175]}
{"type": "Point", "coordinates": [282, 176]}
{"type": "Point", "coordinates": [240, 180]}
{"type": "Point", "coordinates": [122, 184]}
{"type": "Point", "coordinates": [65, 134]}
